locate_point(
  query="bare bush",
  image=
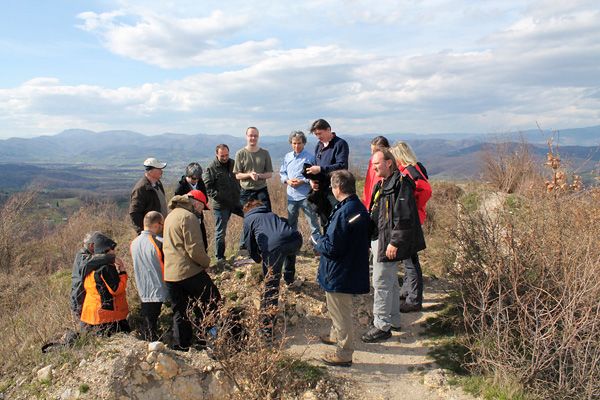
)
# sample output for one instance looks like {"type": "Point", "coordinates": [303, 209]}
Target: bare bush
{"type": "Point", "coordinates": [529, 282]}
{"type": "Point", "coordinates": [13, 220]}
{"type": "Point", "coordinates": [257, 366]}
{"type": "Point", "coordinates": [509, 167]}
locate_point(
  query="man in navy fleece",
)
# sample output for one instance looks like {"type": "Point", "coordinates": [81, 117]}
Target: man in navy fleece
{"type": "Point", "coordinates": [270, 240]}
{"type": "Point", "coordinates": [331, 154]}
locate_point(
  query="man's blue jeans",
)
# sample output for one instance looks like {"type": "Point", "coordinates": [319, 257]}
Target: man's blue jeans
{"type": "Point", "coordinates": [293, 209]}
{"type": "Point", "coordinates": [221, 220]}
{"type": "Point", "coordinates": [294, 206]}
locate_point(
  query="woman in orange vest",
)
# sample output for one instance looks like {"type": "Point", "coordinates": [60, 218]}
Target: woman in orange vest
{"type": "Point", "coordinates": [105, 306]}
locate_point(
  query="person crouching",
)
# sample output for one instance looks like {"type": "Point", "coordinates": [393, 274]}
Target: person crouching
{"type": "Point", "coordinates": [270, 240]}
{"type": "Point", "coordinates": [105, 306]}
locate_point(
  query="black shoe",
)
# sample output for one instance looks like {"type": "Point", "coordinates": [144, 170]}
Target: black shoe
{"type": "Point", "coordinates": [177, 347]}
{"type": "Point", "coordinates": [374, 335]}
{"type": "Point", "coordinates": [396, 329]}
{"type": "Point", "coordinates": [406, 308]}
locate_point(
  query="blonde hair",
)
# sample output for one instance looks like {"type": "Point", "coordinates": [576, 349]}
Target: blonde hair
{"type": "Point", "coordinates": [403, 153]}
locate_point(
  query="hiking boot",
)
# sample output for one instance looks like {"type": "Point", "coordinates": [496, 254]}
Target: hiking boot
{"type": "Point", "coordinates": [375, 335]}
{"type": "Point", "coordinates": [335, 361]}
{"type": "Point", "coordinates": [406, 307]}
{"type": "Point", "coordinates": [325, 339]}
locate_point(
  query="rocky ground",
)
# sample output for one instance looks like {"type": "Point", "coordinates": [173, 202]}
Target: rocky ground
{"type": "Point", "coordinates": [123, 367]}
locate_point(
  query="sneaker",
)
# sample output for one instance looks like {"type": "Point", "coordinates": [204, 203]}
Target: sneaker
{"type": "Point", "coordinates": [406, 308]}
{"type": "Point", "coordinates": [375, 335]}
{"type": "Point", "coordinates": [396, 329]}
{"type": "Point", "coordinates": [325, 339]}
{"type": "Point", "coordinates": [334, 361]}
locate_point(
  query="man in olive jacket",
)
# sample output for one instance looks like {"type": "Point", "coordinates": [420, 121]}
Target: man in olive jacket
{"type": "Point", "coordinates": [186, 262]}
{"type": "Point", "coordinates": [224, 191]}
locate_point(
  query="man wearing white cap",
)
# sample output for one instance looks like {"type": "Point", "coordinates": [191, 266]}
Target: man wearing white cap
{"type": "Point", "coordinates": [148, 194]}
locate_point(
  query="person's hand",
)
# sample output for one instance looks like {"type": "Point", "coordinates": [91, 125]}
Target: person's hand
{"type": "Point", "coordinates": [119, 264]}
{"type": "Point", "coordinates": [391, 251]}
{"type": "Point", "coordinates": [295, 182]}
{"type": "Point", "coordinates": [314, 185]}
{"type": "Point", "coordinates": [314, 170]}
{"type": "Point", "coordinates": [254, 176]}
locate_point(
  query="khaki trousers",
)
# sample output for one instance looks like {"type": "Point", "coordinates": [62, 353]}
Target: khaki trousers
{"type": "Point", "coordinates": [340, 311]}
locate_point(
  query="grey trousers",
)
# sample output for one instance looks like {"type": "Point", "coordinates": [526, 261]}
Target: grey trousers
{"type": "Point", "coordinates": [386, 297]}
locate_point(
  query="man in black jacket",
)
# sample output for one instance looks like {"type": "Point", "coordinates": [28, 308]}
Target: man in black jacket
{"type": "Point", "coordinates": [148, 194]}
{"type": "Point", "coordinates": [396, 236]}
{"type": "Point", "coordinates": [223, 189]}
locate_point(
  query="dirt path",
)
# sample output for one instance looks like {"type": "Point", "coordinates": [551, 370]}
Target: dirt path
{"type": "Point", "coordinates": [390, 370]}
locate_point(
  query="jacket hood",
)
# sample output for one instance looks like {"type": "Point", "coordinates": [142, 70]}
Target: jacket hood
{"type": "Point", "coordinates": [102, 243]}
{"type": "Point", "coordinates": [257, 210]}
{"type": "Point", "coordinates": [182, 201]}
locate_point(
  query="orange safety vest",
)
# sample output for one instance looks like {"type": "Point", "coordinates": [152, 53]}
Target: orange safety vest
{"type": "Point", "coordinates": [105, 297]}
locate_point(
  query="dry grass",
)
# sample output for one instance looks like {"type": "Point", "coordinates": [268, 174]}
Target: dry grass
{"type": "Point", "coordinates": [528, 276]}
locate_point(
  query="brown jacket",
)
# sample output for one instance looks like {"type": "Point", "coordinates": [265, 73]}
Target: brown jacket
{"type": "Point", "coordinates": [143, 200]}
{"type": "Point", "coordinates": [183, 247]}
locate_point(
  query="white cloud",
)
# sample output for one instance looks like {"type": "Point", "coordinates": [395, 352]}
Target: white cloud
{"type": "Point", "coordinates": [171, 42]}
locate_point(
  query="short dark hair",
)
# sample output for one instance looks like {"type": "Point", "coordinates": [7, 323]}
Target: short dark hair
{"type": "Point", "coordinates": [252, 127]}
{"type": "Point", "coordinates": [344, 181]}
{"type": "Point", "coordinates": [319, 124]}
{"type": "Point", "coordinates": [250, 204]}
{"type": "Point", "coordinates": [221, 146]}
{"type": "Point", "coordinates": [152, 217]}
{"type": "Point", "coordinates": [193, 170]}
{"type": "Point", "coordinates": [380, 141]}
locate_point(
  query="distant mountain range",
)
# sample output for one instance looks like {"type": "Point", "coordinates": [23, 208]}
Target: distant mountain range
{"type": "Point", "coordinates": [73, 155]}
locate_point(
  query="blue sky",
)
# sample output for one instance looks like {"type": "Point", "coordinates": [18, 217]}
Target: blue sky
{"type": "Point", "coordinates": [385, 66]}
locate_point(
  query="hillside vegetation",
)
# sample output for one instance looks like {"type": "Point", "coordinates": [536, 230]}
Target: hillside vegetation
{"type": "Point", "coordinates": [521, 255]}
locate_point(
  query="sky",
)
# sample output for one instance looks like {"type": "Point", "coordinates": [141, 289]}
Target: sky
{"type": "Point", "coordinates": [381, 66]}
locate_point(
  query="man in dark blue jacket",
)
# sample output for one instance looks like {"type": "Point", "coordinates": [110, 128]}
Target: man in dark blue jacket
{"type": "Point", "coordinates": [270, 240]}
{"type": "Point", "coordinates": [331, 154]}
{"type": "Point", "coordinates": [344, 265]}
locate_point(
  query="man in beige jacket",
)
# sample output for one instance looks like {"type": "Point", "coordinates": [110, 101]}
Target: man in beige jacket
{"type": "Point", "coordinates": [186, 262]}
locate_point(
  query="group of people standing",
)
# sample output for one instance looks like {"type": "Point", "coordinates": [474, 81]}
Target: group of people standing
{"type": "Point", "coordinates": [170, 254]}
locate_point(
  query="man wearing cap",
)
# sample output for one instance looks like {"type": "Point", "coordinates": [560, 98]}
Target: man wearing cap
{"type": "Point", "coordinates": [185, 264]}
{"type": "Point", "coordinates": [148, 194]}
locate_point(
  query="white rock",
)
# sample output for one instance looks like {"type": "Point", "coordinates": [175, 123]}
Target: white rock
{"type": "Point", "coordinates": [300, 309]}
{"type": "Point", "coordinates": [309, 395]}
{"type": "Point", "coordinates": [151, 357]}
{"type": "Point", "coordinates": [156, 346]}
{"type": "Point", "coordinates": [144, 366]}
{"type": "Point", "coordinates": [82, 363]}
{"type": "Point", "coordinates": [165, 366]}
{"type": "Point", "coordinates": [70, 394]}
{"type": "Point", "coordinates": [435, 378]}
{"type": "Point", "coordinates": [45, 374]}
{"type": "Point", "coordinates": [219, 387]}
